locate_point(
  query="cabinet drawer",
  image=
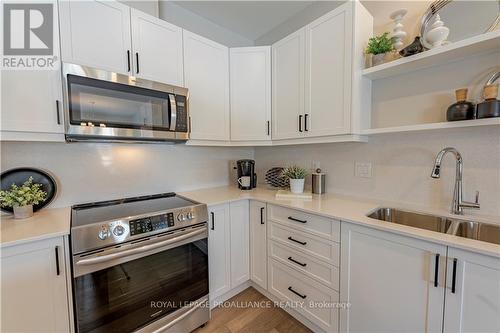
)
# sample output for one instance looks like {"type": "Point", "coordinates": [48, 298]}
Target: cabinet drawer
{"type": "Point", "coordinates": [309, 244]}
{"type": "Point", "coordinates": [314, 268]}
{"type": "Point", "coordinates": [317, 225]}
{"type": "Point", "coordinates": [315, 301]}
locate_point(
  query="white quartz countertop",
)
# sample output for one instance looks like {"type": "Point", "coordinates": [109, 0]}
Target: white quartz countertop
{"type": "Point", "coordinates": [47, 223]}
{"type": "Point", "coordinates": [352, 210]}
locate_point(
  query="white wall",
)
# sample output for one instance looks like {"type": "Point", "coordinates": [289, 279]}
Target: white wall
{"type": "Point", "coordinates": [402, 166]}
{"type": "Point", "coordinates": [87, 172]}
{"type": "Point", "coordinates": [148, 6]}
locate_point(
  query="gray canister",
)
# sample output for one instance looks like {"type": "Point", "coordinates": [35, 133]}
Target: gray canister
{"type": "Point", "coordinates": [318, 182]}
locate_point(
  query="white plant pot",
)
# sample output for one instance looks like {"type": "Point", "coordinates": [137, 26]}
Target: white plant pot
{"type": "Point", "coordinates": [378, 59]}
{"type": "Point", "coordinates": [297, 185]}
{"type": "Point", "coordinates": [23, 212]}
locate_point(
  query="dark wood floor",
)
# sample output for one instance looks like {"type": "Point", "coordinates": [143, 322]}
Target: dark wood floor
{"type": "Point", "coordinates": [239, 318]}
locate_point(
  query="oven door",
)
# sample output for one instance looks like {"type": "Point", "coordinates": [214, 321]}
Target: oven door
{"type": "Point", "coordinates": [126, 288]}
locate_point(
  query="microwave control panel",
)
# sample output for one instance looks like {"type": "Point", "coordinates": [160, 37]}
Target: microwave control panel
{"type": "Point", "coordinates": [152, 223]}
{"type": "Point", "coordinates": [182, 117]}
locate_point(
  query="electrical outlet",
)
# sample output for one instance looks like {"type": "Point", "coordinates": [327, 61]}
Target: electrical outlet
{"type": "Point", "coordinates": [363, 170]}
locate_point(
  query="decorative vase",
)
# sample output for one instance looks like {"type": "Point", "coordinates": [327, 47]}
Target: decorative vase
{"type": "Point", "coordinates": [378, 59]}
{"type": "Point", "coordinates": [461, 110]}
{"type": "Point", "coordinates": [437, 33]}
{"type": "Point", "coordinates": [414, 48]}
{"type": "Point", "coordinates": [23, 212]}
{"type": "Point", "coordinates": [398, 34]}
{"type": "Point", "coordinates": [491, 105]}
{"type": "Point", "coordinates": [297, 185]}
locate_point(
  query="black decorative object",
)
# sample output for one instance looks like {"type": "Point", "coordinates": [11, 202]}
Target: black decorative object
{"type": "Point", "coordinates": [413, 48]}
{"type": "Point", "coordinates": [274, 178]}
{"type": "Point", "coordinates": [491, 106]}
{"type": "Point", "coordinates": [19, 175]}
{"type": "Point", "coordinates": [461, 110]}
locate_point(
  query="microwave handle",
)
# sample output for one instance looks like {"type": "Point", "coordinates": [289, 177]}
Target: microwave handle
{"type": "Point", "coordinates": [173, 112]}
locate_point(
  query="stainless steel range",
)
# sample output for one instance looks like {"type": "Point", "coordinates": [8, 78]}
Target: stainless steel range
{"type": "Point", "coordinates": [140, 265]}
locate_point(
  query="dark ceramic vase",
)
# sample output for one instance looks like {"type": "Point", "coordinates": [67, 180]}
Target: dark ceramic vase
{"type": "Point", "coordinates": [461, 110]}
{"type": "Point", "coordinates": [413, 48]}
{"type": "Point", "coordinates": [491, 106]}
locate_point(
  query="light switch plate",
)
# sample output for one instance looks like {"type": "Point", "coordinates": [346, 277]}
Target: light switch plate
{"type": "Point", "coordinates": [363, 170]}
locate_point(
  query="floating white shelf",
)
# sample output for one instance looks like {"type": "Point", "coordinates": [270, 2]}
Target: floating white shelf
{"type": "Point", "coordinates": [433, 126]}
{"type": "Point", "coordinates": [483, 43]}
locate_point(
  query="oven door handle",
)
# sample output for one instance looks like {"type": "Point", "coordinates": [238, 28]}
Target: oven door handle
{"type": "Point", "coordinates": [145, 248]}
{"type": "Point", "coordinates": [173, 112]}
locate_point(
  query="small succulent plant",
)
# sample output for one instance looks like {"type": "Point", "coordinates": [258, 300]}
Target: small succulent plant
{"type": "Point", "coordinates": [380, 44]}
{"type": "Point", "coordinates": [295, 172]}
{"type": "Point", "coordinates": [24, 195]}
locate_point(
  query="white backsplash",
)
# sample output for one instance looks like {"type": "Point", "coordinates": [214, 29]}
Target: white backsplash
{"type": "Point", "coordinates": [401, 166]}
{"type": "Point", "coordinates": [87, 172]}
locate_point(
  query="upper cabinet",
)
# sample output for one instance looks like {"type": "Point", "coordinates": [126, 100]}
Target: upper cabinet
{"type": "Point", "coordinates": [250, 82]}
{"type": "Point", "coordinates": [157, 47]}
{"type": "Point", "coordinates": [122, 40]}
{"type": "Point", "coordinates": [96, 34]}
{"type": "Point", "coordinates": [318, 89]}
{"type": "Point", "coordinates": [206, 75]}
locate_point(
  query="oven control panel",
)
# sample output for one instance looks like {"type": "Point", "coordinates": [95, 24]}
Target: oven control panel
{"type": "Point", "coordinates": [151, 223]}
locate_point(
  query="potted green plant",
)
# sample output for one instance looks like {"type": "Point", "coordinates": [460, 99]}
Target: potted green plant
{"type": "Point", "coordinates": [297, 177]}
{"type": "Point", "coordinates": [379, 47]}
{"type": "Point", "coordinates": [22, 198]}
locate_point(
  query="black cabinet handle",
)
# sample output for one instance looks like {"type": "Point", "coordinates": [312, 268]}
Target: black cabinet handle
{"type": "Point", "coordinates": [296, 241]}
{"type": "Point", "coordinates": [58, 270]}
{"type": "Point", "coordinates": [58, 113]}
{"type": "Point", "coordinates": [305, 122]}
{"type": "Point", "coordinates": [454, 276]}
{"type": "Point", "coordinates": [297, 220]}
{"type": "Point", "coordinates": [213, 220]}
{"type": "Point", "coordinates": [296, 293]}
{"type": "Point", "coordinates": [137, 62]}
{"type": "Point", "coordinates": [268, 128]}
{"type": "Point", "coordinates": [436, 271]}
{"type": "Point", "coordinates": [128, 60]}
{"type": "Point", "coordinates": [297, 262]}
{"type": "Point", "coordinates": [300, 123]}
{"type": "Point", "coordinates": [262, 215]}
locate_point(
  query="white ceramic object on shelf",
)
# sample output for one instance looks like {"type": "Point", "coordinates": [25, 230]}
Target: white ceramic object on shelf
{"type": "Point", "coordinates": [297, 185]}
{"type": "Point", "coordinates": [398, 33]}
{"type": "Point", "coordinates": [437, 33]}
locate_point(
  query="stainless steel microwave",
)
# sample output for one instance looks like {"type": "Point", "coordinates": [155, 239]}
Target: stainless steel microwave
{"type": "Point", "coordinates": [106, 106]}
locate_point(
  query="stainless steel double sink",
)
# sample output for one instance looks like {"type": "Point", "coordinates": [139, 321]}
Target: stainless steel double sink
{"type": "Point", "coordinates": [454, 226]}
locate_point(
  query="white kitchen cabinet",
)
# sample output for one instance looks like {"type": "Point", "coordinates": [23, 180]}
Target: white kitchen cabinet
{"type": "Point", "coordinates": [206, 74]}
{"type": "Point", "coordinates": [219, 255]}
{"type": "Point", "coordinates": [239, 233]}
{"type": "Point", "coordinates": [157, 47]}
{"type": "Point", "coordinates": [39, 117]}
{"type": "Point", "coordinates": [472, 293]}
{"type": "Point", "coordinates": [96, 34]}
{"type": "Point", "coordinates": [328, 73]}
{"type": "Point", "coordinates": [258, 243]}
{"type": "Point", "coordinates": [389, 281]}
{"type": "Point", "coordinates": [34, 287]}
{"type": "Point", "coordinates": [288, 65]}
{"type": "Point", "coordinates": [250, 93]}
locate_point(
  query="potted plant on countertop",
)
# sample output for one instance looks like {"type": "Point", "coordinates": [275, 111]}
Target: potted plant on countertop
{"type": "Point", "coordinates": [297, 177]}
{"type": "Point", "coordinates": [22, 198]}
{"type": "Point", "coordinates": [380, 47]}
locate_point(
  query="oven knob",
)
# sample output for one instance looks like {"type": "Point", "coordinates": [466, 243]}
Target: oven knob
{"type": "Point", "coordinates": [103, 234]}
{"type": "Point", "coordinates": [181, 217]}
{"type": "Point", "coordinates": [190, 216]}
{"type": "Point", "coordinates": [118, 230]}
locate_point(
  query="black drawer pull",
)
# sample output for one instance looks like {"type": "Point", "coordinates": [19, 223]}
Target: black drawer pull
{"type": "Point", "coordinates": [296, 293]}
{"type": "Point", "coordinates": [296, 241]}
{"type": "Point", "coordinates": [58, 269]}
{"type": "Point", "coordinates": [137, 62]}
{"type": "Point", "coordinates": [297, 262]}
{"type": "Point", "coordinates": [297, 220]}
{"type": "Point", "coordinates": [436, 271]}
{"type": "Point", "coordinates": [261, 215]}
{"type": "Point", "coordinates": [128, 60]}
{"type": "Point", "coordinates": [305, 122]}
{"type": "Point", "coordinates": [213, 220]}
{"type": "Point", "coordinates": [300, 123]}
{"type": "Point", "coordinates": [58, 113]}
{"type": "Point", "coordinates": [454, 277]}
{"type": "Point", "coordinates": [268, 128]}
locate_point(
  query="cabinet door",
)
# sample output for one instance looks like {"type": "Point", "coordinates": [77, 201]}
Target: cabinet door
{"type": "Point", "coordinates": [473, 305]}
{"type": "Point", "coordinates": [239, 225]}
{"type": "Point", "coordinates": [288, 86]}
{"type": "Point", "coordinates": [206, 74]}
{"type": "Point", "coordinates": [41, 115]}
{"type": "Point", "coordinates": [219, 251]}
{"type": "Point", "coordinates": [250, 80]}
{"type": "Point", "coordinates": [328, 73]}
{"type": "Point", "coordinates": [389, 281]}
{"type": "Point", "coordinates": [96, 34]}
{"type": "Point", "coordinates": [157, 49]}
{"type": "Point", "coordinates": [258, 243]}
{"type": "Point", "coordinates": [34, 289]}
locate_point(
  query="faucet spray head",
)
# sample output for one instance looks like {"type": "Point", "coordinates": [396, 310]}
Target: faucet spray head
{"type": "Point", "coordinates": [436, 171]}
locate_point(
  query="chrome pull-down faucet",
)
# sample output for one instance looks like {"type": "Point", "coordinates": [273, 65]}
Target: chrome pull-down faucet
{"type": "Point", "coordinates": [458, 204]}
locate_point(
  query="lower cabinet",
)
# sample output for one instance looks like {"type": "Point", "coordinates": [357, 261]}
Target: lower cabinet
{"type": "Point", "coordinates": [472, 293]}
{"type": "Point", "coordinates": [258, 243]}
{"type": "Point", "coordinates": [34, 287]}
{"type": "Point", "coordinates": [228, 247]}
